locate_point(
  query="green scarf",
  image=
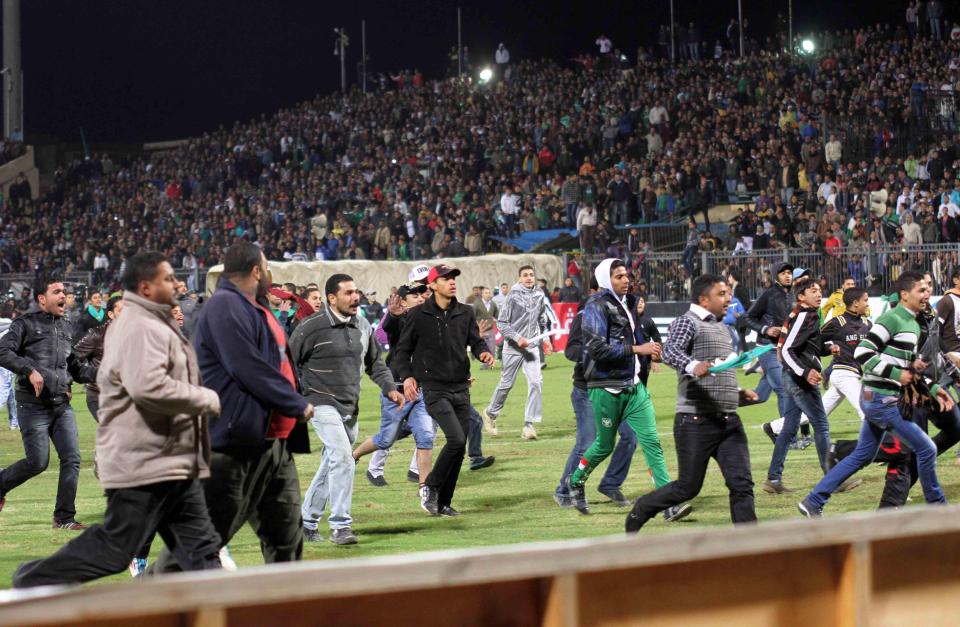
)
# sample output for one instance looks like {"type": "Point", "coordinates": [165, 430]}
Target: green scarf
{"type": "Point", "coordinates": [98, 314]}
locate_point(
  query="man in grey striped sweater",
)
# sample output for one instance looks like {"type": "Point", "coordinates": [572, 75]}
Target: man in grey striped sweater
{"type": "Point", "coordinates": [890, 365]}
{"type": "Point", "coordinates": [706, 423]}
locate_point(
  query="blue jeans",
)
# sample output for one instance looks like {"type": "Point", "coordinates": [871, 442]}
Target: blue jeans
{"type": "Point", "coordinates": [883, 415]}
{"type": "Point", "coordinates": [772, 381]}
{"type": "Point", "coordinates": [586, 433]}
{"type": "Point", "coordinates": [418, 421]}
{"type": "Point", "coordinates": [735, 338]}
{"type": "Point", "coordinates": [333, 480]}
{"type": "Point", "coordinates": [689, 254]}
{"type": "Point", "coordinates": [8, 396]}
{"type": "Point", "coordinates": [39, 425]}
{"type": "Point", "coordinates": [799, 400]}
{"type": "Point", "coordinates": [571, 209]}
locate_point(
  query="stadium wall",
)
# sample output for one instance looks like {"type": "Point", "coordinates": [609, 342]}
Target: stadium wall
{"type": "Point", "coordinates": [380, 276]}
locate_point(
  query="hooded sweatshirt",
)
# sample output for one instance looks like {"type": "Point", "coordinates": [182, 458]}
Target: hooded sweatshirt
{"type": "Point", "coordinates": [526, 312]}
{"type": "Point", "coordinates": [948, 315]}
{"type": "Point", "coordinates": [609, 333]}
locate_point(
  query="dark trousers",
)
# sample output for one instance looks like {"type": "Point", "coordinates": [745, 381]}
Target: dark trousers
{"type": "Point", "coordinates": [698, 439]}
{"type": "Point", "coordinates": [39, 424]}
{"type": "Point", "coordinates": [902, 473]}
{"type": "Point", "coordinates": [93, 404]}
{"type": "Point", "coordinates": [174, 509]}
{"type": "Point", "coordinates": [474, 434]}
{"type": "Point", "coordinates": [451, 410]}
{"type": "Point", "coordinates": [262, 489]}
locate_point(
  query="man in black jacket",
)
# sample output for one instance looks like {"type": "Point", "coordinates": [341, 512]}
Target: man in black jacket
{"type": "Point", "coordinates": [243, 357]}
{"type": "Point", "coordinates": [431, 354]}
{"type": "Point", "coordinates": [800, 351]}
{"type": "Point", "coordinates": [38, 350]}
{"type": "Point", "coordinates": [766, 317]}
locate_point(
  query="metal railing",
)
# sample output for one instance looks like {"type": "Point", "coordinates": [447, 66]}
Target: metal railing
{"type": "Point", "coordinates": [665, 276]}
{"type": "Point", "coordinates": [195, 280]}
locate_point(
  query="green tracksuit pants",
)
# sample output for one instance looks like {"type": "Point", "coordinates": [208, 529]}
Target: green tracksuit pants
{"type": "Point", "coordinates": [634, 406]}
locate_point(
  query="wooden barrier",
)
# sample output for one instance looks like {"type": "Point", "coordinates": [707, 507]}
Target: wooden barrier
{"type": "Point", "coordinates": [891, 568]}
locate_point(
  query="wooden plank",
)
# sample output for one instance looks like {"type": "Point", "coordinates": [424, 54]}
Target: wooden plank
{"type": "Point", "coordinates": [854, 586]}
{"type": "Point", "coordinates": [505, 603]}
{"type": "Point", "coordinates": [562, 602]}
{"type": "Point", "coordinates": [206, 617]}
{"type": "Point", "coordinates": [283, 583]}
{"type": "Point", "coordinates": [779, 588]}
{"type": "Point", "coordinates": [916, 581]}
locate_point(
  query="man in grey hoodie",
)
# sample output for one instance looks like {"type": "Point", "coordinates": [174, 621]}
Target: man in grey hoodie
{"type": "Point", "coordinates": [525, 313]}
{"type": "Point", "coordinates": [331, 350]}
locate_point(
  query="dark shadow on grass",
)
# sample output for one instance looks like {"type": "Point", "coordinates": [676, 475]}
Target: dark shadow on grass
{"type": "Point", "coordinates": [389, 531]}
{"type": "Point", "coordinates": [502, 501]}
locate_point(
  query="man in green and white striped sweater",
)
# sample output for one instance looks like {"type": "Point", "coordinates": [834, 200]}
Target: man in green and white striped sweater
{"type": "Point", "coordinates": [888, 356]}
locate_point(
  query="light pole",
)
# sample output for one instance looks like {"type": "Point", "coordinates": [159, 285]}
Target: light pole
{"type": "Point", "coordinates": [790, 25]}
{"type": "Point", "coordinates": [12, 73]}
{"type": "Point", "coordinates": [341, 49]}
{"type": "Point", "coordinates": [672, 49]}
{"type": "Point", "coordinates": [740, 17]}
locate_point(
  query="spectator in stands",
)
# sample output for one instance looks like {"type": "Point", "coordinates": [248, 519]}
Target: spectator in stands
{"type": "Point", "coordinates": [586, 227]}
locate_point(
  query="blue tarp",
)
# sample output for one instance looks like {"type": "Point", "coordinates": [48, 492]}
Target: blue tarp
{"type": "Point", "coordinates": [530, 240]}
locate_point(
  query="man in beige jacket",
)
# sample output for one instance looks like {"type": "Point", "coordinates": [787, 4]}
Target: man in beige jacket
{"type": "Point", "coordinates": [153, 446]}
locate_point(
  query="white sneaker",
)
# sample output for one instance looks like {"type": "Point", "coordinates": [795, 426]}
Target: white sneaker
{"type": "Point", "coordinates": [226, 561]}
{"type": "Point", "coordinates": [137, 566]}
{"type": "Point", "coordinates": [489, 422]}
{"type": "Point", "coordinates": [528, 433]}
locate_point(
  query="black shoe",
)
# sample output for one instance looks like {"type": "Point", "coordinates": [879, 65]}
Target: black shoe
{"type": "Point", "coordinates": [375, 481]}
{"type": "Point", "coordinates": [579, 498]}
{"type": "Point", "coordinates": [428, 501]}
{"type": "Point", "coordinates": [312, 535]}
{"type": "Point", "coordinates": [343, 536]}
{"type": "Point", "coordinates": [832, 456]}
{"type": "Point", "coordinates": [563, 501]}
{"type": "Point", "coordinates": [616, 496]}
{"type": "Point", "coordinates": [448, 511]}
{"type": "Point", "coordinates": [413, 477]}
{"type": "Point", "coordinates": [809, 510]}
{"type": "Point", "coordinates": [481, 462]}
{"type": "Point", "coordinates": [634, 523]}
{"type": "Point", "coordinates": [69, 525]}
{"type": "Point", "coordinates": [677, 512]}
{"type": "Point", "coordinates": [768, 429]}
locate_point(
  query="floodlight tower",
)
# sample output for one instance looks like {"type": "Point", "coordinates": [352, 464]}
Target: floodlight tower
{"type": "Point", "coordinates": [12, 71]}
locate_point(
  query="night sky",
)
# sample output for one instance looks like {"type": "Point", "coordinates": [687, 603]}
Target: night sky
{"type": "Point", "coordinates": [132, 70]}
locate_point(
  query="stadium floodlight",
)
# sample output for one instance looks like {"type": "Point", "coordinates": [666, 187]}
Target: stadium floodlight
{"type": "Point", "coordinates": [486, 74]}
{"type": "Point", "coordinates": [807, 46]}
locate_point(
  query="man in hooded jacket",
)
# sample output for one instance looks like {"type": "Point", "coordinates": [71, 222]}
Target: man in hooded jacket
{"type": "Point", "coordinates": [612, 372]}
{"type": "Point", "coordinates": [526, 312]}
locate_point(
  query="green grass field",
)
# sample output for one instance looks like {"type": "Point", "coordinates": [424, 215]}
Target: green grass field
{"type": "Point", "coordinates": [507, 503]}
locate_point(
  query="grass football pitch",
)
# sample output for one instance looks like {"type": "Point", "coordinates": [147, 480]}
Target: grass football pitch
{"type": "Point", "coordinates": [509, 502]}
